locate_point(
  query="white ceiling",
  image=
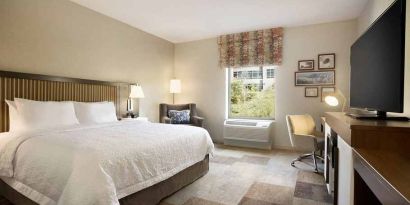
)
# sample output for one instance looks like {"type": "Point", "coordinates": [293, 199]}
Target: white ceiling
{"type": "Point", "coordinates": [188, 20]}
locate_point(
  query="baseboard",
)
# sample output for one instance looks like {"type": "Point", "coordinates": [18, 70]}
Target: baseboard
{"type": "Point", "coordinates": [248, 144]}
{"type": "Point", "coordinates": [258, 145]}
{"type": "Point", "coordinates": [282, 147]}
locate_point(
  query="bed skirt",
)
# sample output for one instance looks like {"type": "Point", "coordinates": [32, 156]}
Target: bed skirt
{"type": "Point", "coordinates": [148, 196]}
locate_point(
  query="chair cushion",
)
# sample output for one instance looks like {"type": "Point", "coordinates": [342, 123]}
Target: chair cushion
{"type": "Point", "coordinates": [179, 117]}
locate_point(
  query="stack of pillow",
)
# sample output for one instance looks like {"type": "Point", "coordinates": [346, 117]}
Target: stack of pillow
{"type": "Point", "coordinates": [28, 115]}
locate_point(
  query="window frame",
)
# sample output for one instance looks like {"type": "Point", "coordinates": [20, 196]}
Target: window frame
{"type": "Point", "coordinates": [273, 73]}
{"type": "Point", "coordinates": [229, 80]}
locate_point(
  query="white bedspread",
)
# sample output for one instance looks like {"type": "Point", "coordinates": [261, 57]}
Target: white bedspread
{"type": "Point", "coordinates": [98, 164]}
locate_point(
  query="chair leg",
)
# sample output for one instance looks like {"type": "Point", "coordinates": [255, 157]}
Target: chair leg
{"type": "Point", "coordinates": [314, 161]}
{"type": "Point", "coordinates": [305, 155]}
{"type": "Point", "coordinates": [313, 155]}
{"type": "Point", "coordinates": [299, 158]}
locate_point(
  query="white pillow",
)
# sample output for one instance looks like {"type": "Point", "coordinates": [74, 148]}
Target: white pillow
{"type": "Point", "coordinates": [14, 118]}
{"type": "Point", "coordinates": [45, 114]}
{"type": "Point", "coordinates": [95, 112]}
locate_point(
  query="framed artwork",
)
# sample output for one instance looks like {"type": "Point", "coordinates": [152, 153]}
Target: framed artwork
{"type": "Point", "coordinates": [326, 61]}
{"type": "Point", "coordinates": [306, 64]}
{"type": "Point", "coordinates": [325, 91]}
{"type": "Point", "coordinates": [315, 78]}
{"type": "Point", "coordinates": [311, 92]}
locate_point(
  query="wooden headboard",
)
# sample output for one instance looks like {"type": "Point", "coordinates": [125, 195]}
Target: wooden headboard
{"type": "Point", "coordinates": [51, 88]}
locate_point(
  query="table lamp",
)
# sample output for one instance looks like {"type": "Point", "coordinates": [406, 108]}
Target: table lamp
{"type": "Point", "coordinates": [333, 99]}
{"type": "Point", "coordinates": [136, 92]}
{"type": "Point", "coordinates": [175, 87]}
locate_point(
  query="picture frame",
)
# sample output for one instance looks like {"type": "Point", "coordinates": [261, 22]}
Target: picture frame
{"type": "Point", "coordinates": [306, 65]}
{"type": "Point", "coordinates": [326, 90]}
{"type": "Point", "coordinates": [315, 78]}
{"type": "Point", "coordinates": [326, 61]}
{"type": "Point", "coordinates": [311, 92]}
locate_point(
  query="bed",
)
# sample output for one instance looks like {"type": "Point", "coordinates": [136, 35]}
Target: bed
{"type": "Point", "coordinates": [121, 162]}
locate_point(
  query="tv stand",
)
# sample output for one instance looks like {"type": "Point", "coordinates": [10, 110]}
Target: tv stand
{"type": "Point", "coordinates": [378, 151]}
{"type": "Point", "coordinates": [380, 115]}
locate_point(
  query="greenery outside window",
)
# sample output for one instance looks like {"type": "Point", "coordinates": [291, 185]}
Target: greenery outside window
{"type": "Point", "coordinates": [251, 92]}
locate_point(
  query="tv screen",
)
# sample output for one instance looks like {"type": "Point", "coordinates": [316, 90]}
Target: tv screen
{"type": "Point", "coordinates": [377, 63]}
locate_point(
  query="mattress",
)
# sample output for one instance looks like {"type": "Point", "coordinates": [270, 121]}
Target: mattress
{"type": "Point", "coordinates": [98, 164]}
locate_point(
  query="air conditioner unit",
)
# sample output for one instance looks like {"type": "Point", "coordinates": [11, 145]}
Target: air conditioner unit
{"type": "Point", "coordinates": [248, 133]}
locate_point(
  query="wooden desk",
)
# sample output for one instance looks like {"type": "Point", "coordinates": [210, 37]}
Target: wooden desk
{"type": "Point", "coordinates": [385, 174]}
{"type": "Point", "coordinates": [349, 128]}
{"type": "Point", "coordinates": [381, 151]}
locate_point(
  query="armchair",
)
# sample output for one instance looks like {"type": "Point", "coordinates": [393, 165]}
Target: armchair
{"type": "Point", "coordinates": [195, 120]}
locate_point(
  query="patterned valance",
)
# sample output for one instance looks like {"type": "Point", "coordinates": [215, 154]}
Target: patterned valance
{"type": "Point", "coordinates": [255, 48]}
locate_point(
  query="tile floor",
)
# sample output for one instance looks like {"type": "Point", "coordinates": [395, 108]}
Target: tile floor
{"type": "Point", "coordinates": [252, 177]}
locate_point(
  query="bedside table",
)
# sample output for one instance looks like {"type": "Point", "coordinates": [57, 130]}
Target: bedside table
{"type": "Point", "coordinates": [145, 119]}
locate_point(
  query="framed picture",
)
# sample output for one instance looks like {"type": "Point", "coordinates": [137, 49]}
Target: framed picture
{"type": "Point", "coordinates": [306, 64]}
{"type": "Point", "coordinates": [326, 61]}
{"type": "Point", "coordinates": [311, 92]}
{"type": "Point", "coordinates": [315, 78]}
{"type": "Point", "coordinates": [325, 91]}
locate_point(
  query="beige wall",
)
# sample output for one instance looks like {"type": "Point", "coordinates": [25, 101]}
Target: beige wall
{"type": "Point", "coordinates": [62, 38]}
{"type": "Point", "coordinates": [372, 11]}
{"type": "Point", "coordinates": [196, 64]}
{"type": "Point", "coordinates": [306, 43]}
{"type": "Point", "coordinates": [203, 82]}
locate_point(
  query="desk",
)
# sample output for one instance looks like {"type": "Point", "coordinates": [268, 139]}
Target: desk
{"type": "Point", "coordinates": [380, 175]}
{"type": "Point", "coordinates": [374, 159]}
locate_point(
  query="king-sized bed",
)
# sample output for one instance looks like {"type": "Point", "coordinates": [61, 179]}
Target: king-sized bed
{"type": "Point", "coordinates": [111, 162]}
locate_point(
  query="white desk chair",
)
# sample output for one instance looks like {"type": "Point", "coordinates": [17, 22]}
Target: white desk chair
{"type": "Point", "coordinates": [303, 126]}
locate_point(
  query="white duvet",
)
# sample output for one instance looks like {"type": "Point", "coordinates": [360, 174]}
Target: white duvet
{"type": "Point", "coordinates": [98, 164]}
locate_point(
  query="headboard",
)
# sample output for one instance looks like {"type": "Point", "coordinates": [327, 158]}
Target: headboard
{"type": "Point", "coordinates": [51, 88]}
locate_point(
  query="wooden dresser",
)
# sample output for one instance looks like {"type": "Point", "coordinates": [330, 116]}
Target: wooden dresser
{"type": "Point", "coordinates": [374, 160]}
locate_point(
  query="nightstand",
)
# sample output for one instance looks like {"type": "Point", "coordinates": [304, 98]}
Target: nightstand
{"type": "Point", "coordinates": [145, 119]}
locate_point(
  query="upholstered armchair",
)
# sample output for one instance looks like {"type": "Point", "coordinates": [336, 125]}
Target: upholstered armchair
{"type": "Point", "coordinates": [194, 120]}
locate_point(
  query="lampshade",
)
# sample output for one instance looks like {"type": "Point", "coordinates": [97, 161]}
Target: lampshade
{"type": "Point", "coordinates": [175, 86]}
{"type": "Point", "coordinates": [136, 91]}
{"type": "Point", "coordinates": [331, 100]}
{"type": "Point", "coordinates": [334, 99]}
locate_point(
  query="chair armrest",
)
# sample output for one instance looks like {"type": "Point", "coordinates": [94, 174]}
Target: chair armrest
{"type": "Point", "coordinates": [197, 121]}
{"type": "Point", "coordinates": [166, 120]}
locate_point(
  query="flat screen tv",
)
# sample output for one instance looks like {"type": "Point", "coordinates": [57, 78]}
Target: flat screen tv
{"type": "Point", "coordinates": [377, 63]}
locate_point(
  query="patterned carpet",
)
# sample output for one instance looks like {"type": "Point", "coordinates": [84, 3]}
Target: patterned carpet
{"type": "Point", "coordinates": [252, 177]}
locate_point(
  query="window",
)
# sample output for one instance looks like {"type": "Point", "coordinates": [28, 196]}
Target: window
{"type": "Point", "coordinates": [251, 92]}
{"type": "Point", "coordinates": [251, 74]}
{"type": "Point", "coordinates": [270, 73]}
